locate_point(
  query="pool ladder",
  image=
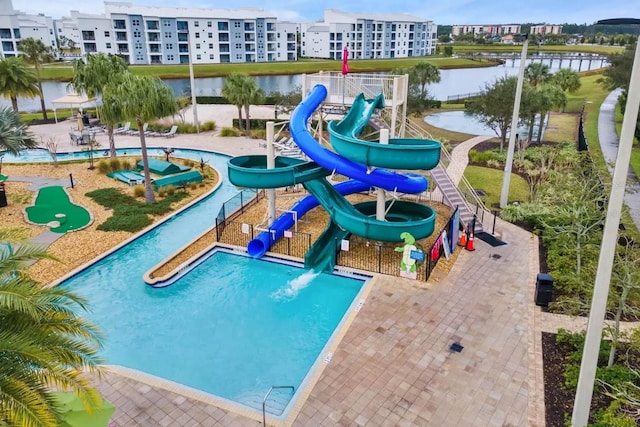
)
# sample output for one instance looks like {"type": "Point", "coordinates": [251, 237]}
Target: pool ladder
{"type": "Point", "coordinates": [266, 396]}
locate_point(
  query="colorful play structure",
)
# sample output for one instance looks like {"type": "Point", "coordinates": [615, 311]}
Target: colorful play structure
{"type": "Point", "coordinates": [368, 164]}
{"type": "Point", "coordinates": [166, 173]}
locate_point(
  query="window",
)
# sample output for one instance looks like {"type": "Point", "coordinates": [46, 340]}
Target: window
{"type": "Point", "coordinates": [210, 35]}
{"type": "Point", "coordinates": [168, 35]}
{"type": "Point", "coordinates": [223, 26]}
{"type": "Point", "coordinates": [135, 22]}
{"type": "Point", "coordinates": [196, 23]}
{"type": "Point", "coordinates": [107, 34]}
{"type": "Point", "coordinates": [197, 45]}
{"type": "Point", "coordinates": [238, 45]}
{"type": "Point", "coordinates": [209, 24]}
{"type": "Point", "coordinates": [237, 24]}
{"type": "Point", "coordinates": [198, 57]}
{"type": "Point", "coordinates": [197, 35]}
{"type": "Point", "coordinates": [183, 25]}
{"type": "Point", "coordinates": [119, 24]}
{"type": "Point", "coordinates": [169, 46]}
{"type": "Point", "coordinates": [211, 56]}
{"type": "Point", "coordinates": [169, 57]}
{"type": "Point", "coordinates": [210, 45]}
{"type": "Point", "coordinates": [136, 34]}
{"type": "Point", "coordinates": [108, 45]}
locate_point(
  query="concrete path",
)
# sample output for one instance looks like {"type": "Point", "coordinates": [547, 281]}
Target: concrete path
{"type": "Point", "coordinates": [609, 142]}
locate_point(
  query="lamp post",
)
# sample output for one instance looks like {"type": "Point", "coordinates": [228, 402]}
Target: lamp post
{"type": "Point", "coordinates": [192, 83]}
{"type": "Point", "coordinates": [504, 195]}
{"type": "Point", "coordinates": [588, 365]}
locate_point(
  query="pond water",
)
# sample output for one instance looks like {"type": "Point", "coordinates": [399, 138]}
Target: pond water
{"type": "Point", "coordinates": [460, 121]}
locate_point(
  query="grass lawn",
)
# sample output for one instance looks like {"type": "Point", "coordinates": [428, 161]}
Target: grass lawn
{"type": "Point", "coordinates": [562, 127]}
{"type": "Point", "coordinates": [490, 181]}
{"type": "Point", "coordinates": [586, 48]}
{"type": "Point", "coordinates": [62, 73]}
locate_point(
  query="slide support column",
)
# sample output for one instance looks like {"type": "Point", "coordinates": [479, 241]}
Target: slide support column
{"type": "Point", "coordinates": [271, 164]}
{"type": "Point", "coordinates": [380, 199]}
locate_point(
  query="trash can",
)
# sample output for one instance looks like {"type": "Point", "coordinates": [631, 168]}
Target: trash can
{"type": "Point", "coordinates": [544, 289]}
{"type": "Point", "coordinates": [3, 195]}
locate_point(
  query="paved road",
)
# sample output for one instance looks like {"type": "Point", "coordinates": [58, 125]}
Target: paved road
{"type": "Point", "coordinates": [609, 144]}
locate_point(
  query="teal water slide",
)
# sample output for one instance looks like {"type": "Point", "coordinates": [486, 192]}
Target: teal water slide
{"type": "Point", "coordinates": [353, 158]}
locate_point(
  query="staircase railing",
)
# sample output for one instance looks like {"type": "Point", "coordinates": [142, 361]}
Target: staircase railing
{"type": "Point", "coordinates": [266, 396]}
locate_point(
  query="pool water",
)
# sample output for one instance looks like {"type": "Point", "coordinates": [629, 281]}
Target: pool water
{"type": "Point", "coordinates": [232, 327]}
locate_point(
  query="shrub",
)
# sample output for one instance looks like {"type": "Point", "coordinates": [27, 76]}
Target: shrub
{"type": "Point", "coordinates": [125, 164]}
{"type": "Point", "coordinates": [259, 134]}
{"type": "Point", "coordinates": [115, 164]}
{"type": "Point", "coordinates": [170, 190]}
{"type": "Point", "coordinates": [161, 192]}
{"type": "Point", "coordinates": [193, 185]}
{"type": "Point", "coordinates": [186, 128]}
{"type": "Point", "coordinates": [103, 167]}
{"type": "Point", "coordinates": [229, 132]}
{"type": "Point", "coordinates": [138, 191]}
{"type": "Point", "coordinates": [208, 126]}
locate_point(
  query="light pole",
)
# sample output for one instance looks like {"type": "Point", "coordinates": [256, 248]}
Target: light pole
{"type": "Point", "coordinates": [588, 365]}
{"type": "Point", "coordinates": [504, 195]}
{"type": "Point", "coordinates": [192, 82]}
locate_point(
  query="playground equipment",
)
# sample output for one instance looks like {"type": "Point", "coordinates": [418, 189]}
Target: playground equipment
{"type": "Point", "coordinates": [363, 162]}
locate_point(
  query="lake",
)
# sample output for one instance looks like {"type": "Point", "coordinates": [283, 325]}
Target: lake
{"type": "Point", "coordinates": [452, 82]}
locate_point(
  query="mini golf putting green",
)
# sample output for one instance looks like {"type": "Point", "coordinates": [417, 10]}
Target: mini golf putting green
{"type": "Point", "coordinates": [53, 208]}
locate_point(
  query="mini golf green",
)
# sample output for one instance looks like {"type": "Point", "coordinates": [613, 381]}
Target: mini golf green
{"type": "Point", "coordinates": [53, 208]}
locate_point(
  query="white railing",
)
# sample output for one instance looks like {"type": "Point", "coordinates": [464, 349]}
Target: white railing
{"type": "Point", "coordinates": [349, 86]}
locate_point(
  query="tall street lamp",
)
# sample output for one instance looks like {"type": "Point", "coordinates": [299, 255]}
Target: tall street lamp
{"type": "Point", "coordinates": [504, 196]}
{"type": "Point", "coordinates": [192, 83]}
{"type": "Point", "coordinates": [588, 366]}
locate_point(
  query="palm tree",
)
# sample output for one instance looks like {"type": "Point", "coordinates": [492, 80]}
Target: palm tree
{"type": "Point", "coordinates": [537, 73]}
{"type": "Point", "coordinates": [550, 96]}
{"type": "Point", "coordinates": [36, 53]}
{"type": "Point", "coordinates": [145, 98]}
{"type": "Point", "coordinates": [16, 79]}
{"type": "Point", "coordinates": [568, 80]}
{"type": "Point", "coordinates": [92, 77]}
{"type": "Point", "coordinates": [14, 135]}
{"type": "Point", "coordinates": [253, 95]}
{"type": "Point", "coordinates": [423, 74]}
{"type": "Point", "coordinates": [44, 345]}
{"type": "Point", "coordinates": [234, 89]}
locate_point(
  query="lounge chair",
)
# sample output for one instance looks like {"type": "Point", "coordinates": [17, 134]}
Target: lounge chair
{"type": "Point", "coordinates": [171, 133]}
{"type": "Point", "coordinates": [74, 138]}
{"type": "Point", "coordinates": [136, 131]}
{"type": "Point", "coordinates": [123, 129]}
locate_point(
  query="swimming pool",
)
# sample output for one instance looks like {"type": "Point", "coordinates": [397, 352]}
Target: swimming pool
{"type": "Point", "coordinates": [161, 331]}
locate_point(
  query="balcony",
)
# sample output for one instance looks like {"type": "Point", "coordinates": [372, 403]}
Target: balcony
{"type": "Point", "coordinates": [271, 37]}
{"type": "Point", "coordinates": [7, 46]}
{"type": "Point", "coordinates": [249, 38]}
{"type": "Point", "coordinates": [249, 27]}
{"type": "Point", "coordinates": [121, 37]}
{"type": "Point", "coordinates": [152, 25]}
{"type": "Point", "coordinates": [183, 37]}
{"type": "Point", "coordinates": [183, 48]}
{"type": "Point", "coordinates": [88, 35]}
{"type": "Point", "coordinates": [292, 37]}
{"type": "Point", "coordinates": [223, 37]}
{"type": "Point", "coordinates": [271, 26]}
{"type": "Point", "coordinates": [119, 24]}
{"type": "Point", "coordinates": [5, 33]}
{"type": "Point", "coordinates": [90, 48]}
{"type": "Point", "coordinates": [224, 48]}
{"type": "Point", "coordinates": [291, 46]}
{"type": "Point", "coordinates": [182, 26]}
{"type": "Point", "coordinates": [153, 37]}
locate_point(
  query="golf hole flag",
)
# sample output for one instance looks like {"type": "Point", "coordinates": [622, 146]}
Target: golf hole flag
{"type": "Point", "coordinates": [345, 60]}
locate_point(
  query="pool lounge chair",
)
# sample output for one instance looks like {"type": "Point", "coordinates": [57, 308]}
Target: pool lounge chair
{"type": "Point", "coordinates": [171, 133]}
{"type": "Point", "coordinates": [123, 129]}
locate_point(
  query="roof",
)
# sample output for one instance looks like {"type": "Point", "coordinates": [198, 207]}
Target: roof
{"type": "Point", "coordinates": [161, 167]}
{"type": "Point", "coordinates": [74, 99]}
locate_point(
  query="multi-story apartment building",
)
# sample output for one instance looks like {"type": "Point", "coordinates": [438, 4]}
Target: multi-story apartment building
{"type": "Point", "coordinates": [161, 35]}
{"type": "Point", "coordinates": [546, 29]}
{"type": "Point", "coordinates": [488, 29]}
{"type": "Point", "coordinates": [367, 36]}
{"type": "Point", "coordinates": [16, 25]}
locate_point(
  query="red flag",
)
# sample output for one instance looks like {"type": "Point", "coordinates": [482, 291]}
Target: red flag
{"type": "Point", "coordinates": [345, 60]}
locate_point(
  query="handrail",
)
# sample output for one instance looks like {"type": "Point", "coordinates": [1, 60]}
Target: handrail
{"type": "Point", "coordinates": [264, 401]}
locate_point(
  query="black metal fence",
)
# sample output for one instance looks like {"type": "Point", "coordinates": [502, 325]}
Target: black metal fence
{"type": "Point", "coordinates": [582, 139]}
{"type": "Point", "coordinates": [386, 258]}
{"type": "Point", "coordinates": [293, 243]}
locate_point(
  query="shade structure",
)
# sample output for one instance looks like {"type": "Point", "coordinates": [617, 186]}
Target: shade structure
{"type": "Point", "coordinates": [72, 100]}
{"type": "Point", "coordinates": [75, 415]}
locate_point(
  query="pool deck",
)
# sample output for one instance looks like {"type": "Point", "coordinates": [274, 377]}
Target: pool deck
{"type": "Point", "coordinates": [393, 366]}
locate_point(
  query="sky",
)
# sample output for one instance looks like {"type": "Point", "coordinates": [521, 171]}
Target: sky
{"type": "Point", "coordinates": [442, 12]}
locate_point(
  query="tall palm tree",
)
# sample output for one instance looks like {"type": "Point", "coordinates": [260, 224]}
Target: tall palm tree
{"type": "Point", "coordinates": [92, 77]}
{"type": "Point", "coordinates": [36, 53]}
{"type": "Point", "coordinates": [423, 74]}
{"type": "Point", "coordinates": [44, 345]}
{"type": "Point", "coordinates": [253, 95]}
{"type": "Point", "coordinates": [16, 79]}
{"type": "Point", "coordinates": [234, 89]}
{"type": "Point", "coordinates": [568, 80]}
{"type": "Point", "coordinates": [14, 135]}
{"type": "Point", "coordinates": [145, 98]}
{"type": "Point", "coordinates": [537, 73]}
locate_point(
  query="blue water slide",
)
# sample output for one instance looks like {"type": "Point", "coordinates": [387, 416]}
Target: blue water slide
{"type": "Point", "coordinates": [391, 181]}
{"type": "Point", "coordinates": [258, 246]}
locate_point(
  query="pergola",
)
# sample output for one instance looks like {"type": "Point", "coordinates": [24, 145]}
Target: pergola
{"type": "Point", "coordinates": [72, 100]}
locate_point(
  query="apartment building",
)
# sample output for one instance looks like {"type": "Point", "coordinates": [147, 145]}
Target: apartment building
{"type": "Point", "coordinates": [16, 25]}
{"type": "Point", "coordinates": [546, 29]}
{"type": "Point", "coordinates": [486, 29]}
{"type": "Point", "coordinates": [367, 36]}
